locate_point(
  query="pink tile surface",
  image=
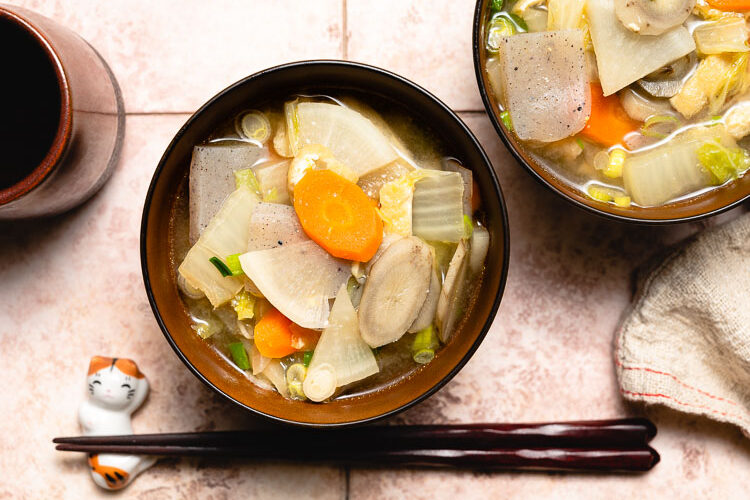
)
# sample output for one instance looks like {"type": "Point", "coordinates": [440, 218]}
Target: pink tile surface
{"type": "Point", "coordinates": [71, 287]}
{"type": "Point", "coordinates": [428, 42]}
{"type": "Point", "coordinates": [173, 55]}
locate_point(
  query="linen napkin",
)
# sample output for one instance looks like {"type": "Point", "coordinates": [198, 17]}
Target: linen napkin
{"type": "Point", "coordinates": [686, 342]}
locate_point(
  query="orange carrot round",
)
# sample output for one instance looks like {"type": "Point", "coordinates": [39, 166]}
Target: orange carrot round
{"type": "Point", "coordinates": [608, 123]}
{"type": "Point", "coordinates": [730, 4]}
{"type": "Point", "coordinates": [338, 215]}
{"type": "Point", "coordinates": [273, 337]}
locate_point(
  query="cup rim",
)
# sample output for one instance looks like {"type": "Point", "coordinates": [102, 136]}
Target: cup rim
{"type": "Point", "coordinates": [503, 216]}
{"type": "Point", "coordinates": [477, 48]}
{"type": "Point", "coordinates": [65, 125]}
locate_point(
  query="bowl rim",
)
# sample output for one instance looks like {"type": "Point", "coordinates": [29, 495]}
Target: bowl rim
{"type": "Point", "coordinates": [359, 67]}
{"type": "Point", "coordinates": [477, 47]}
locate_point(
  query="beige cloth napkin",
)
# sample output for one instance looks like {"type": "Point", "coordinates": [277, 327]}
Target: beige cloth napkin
{"type": "Point", "coordinates": [686, 342]}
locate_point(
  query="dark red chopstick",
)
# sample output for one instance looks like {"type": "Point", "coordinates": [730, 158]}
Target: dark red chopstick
{"type": "Point", "coordinates": [612, 445]}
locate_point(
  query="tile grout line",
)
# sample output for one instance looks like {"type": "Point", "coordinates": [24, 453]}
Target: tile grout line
{"type": "Point", "coordinates": [344, 30]}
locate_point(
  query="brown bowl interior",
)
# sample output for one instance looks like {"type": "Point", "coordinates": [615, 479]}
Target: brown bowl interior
{"type": "Point", "coordinates": [710, 203]}
{"type": "Point", "coordinates": [157, 265]}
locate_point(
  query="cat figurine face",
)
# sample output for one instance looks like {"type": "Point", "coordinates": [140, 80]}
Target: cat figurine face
{"type": "Point", "coordinates": [116, 384]}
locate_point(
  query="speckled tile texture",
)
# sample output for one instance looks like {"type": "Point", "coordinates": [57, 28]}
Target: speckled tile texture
{"type": "Point", "coordinates": [71, 287]}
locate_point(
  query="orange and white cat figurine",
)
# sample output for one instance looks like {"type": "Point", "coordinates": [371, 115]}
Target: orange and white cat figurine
{"type": "Point", "coordinates": [116, 389]}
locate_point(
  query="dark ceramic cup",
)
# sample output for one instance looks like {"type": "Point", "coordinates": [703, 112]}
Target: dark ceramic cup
{"type": "Point", "coordinates": [168, 186]}
{"type": "Point", "coordinates": [711, 203]}
{"type": "Point", "coordinates": [62, 118]}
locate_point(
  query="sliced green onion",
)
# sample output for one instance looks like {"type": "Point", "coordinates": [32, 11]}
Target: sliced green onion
{"type": "Point", "coordinates": [223, 269]}
{"type": "Point", "coordinates": [246, 177]}
{"type": "Point", "coordinates": [424, 345]}
{"type": "Point", "coordinates": [580, 143]}
{"type": "Point", "coordinates": [505, 118]}
{"type": "Point", "coordinates": [233, 264]}
{"type": "Point", "coordinates": [295, 376]}
{"type": "Point", "coordinates": [647, 127]}
{"type": "Point", "coordinates": [306, 358]}
{"type": "Point", "coordinates": [239, 355]}
{"type": "Point", "coordinates": [253, 125]}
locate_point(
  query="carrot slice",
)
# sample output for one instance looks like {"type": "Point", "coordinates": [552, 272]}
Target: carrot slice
{"type": "Point", "coordinates": [304, 339]}
{"type": "Point", "coordinates": [338, 215]}
{"type": "Point", "coordinates": [608, 123]}
{"type": "Point", "coordinates": [730, 4]}
{"type": "Point", "coordinates": [273, 336]}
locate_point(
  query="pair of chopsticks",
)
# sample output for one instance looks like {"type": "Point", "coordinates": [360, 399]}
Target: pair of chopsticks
{"type": "Point", "coordinates": [601, 445]}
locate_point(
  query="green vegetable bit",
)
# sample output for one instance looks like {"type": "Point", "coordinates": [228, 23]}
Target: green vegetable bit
{"type": "Point", "coordinates": [239, 355]}
{"type": "Point", "coordinates": [468, 226]}
{"type": "Point", "coordinates": [721, 162]}
{"type": "Point", "coordinates": [233, 264]}
{"type": "Point", "coordinates": [519, 22]}
{"type": "Point", "coordinates": [223, 269]}
{"type": "Point", "coordinates": [306, 358]}
{"type": "Point", "coordinates": [246, 177]}
{"type": "Point", "coordinates": [424, 345]}
{"type": "Point", "coordinates": [505, 118]}
{"type": "Point", "coordinates": [244, 305]}
{"type": "Point", "coordinates": [501, 25]}
{"type": "Point", "coordinates": [497, 5]}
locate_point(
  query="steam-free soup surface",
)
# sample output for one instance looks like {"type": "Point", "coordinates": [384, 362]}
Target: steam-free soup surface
{"type": "Point", "coordinates": [325, 246]}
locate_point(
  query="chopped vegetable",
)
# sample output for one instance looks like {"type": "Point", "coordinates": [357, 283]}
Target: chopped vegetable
{"type": "Point", "coordinates": [649, 126]}
{"type": "Point", "coordinates": [225, 235]}
{"type": "Point", "coordinates": [395, 291]}
{"type": "Point", "coordinates": [372, 182]}
{"type": "Point", "coordinates": [273, 337]}
{"type": "Point", "coordinates": [316, 157]}
{"type": "Point", "coordinates": [667, 80]}
{"type": "Point", "coordinates": [673, 169]}
{"type": "Point", "coordinates": [717, 78]}
{"type": "Point", "coordinates": [501, 25]}
{"type": "Point", "coordinates": [426, 315]}
{"type": "Point", "coordinates": [246, 177]}
{"type": "Point", "coordinates": [218, 264]}
{"type": "Point", "coordinates": [623, 56]}
{"type": "Point", "coordinates": [239, 355]}
{"type": "Point", "coordinates": [212, 179]}
{"type": "Point", "coordinates": [396, 202]}
{"type": "Point", "coordinates": [257, 360]}
{"type": "Point", "coordinates": [244, 305]}
{"type": "Point", "coordinates": [737, 119]}
{"type": "Point", "coordinates": [304, 339]}
{"type": "Point", "coordinates": [452, 293]}
{"type": "Point", "coordinates": [336, 214]}
{"type": "Point", "coordinates": [640, 107]}
{"type": "Point", "coordinates": [274, 371]}
{"type": "Point", "coordinates": [297, 279]}
{"type": "Point", "coordinates": [652, 17]}
{"type": "Point", "coordinates": [341, 356]}
{"type": "Point", "coordinates": [306, 358]}
{"type": "Point", "coordinates": [273, 225]}
{"type": "Point", "coordinates": [233, 264]}
{"type": "Point", "coordinates": [452, 165]}
{"type": "Point", "coordinates": [564, 14]}
{"type": "Point", "coordinates": [353, 139]}
{"type": "Point", "coordinates": [480, 245]}
{"type": "Point", "coordinates": [609, 123]}
{"type": "Point", "coordinates": [497, 5]}
{"type": "Point", "coordinates": [730, 5]}
{"type": "Point", "coordinates": [728, 34]}
{"type": "Point", "coordinates": [295, 376]}
{"type": "Point", "coordinates": [424, 345]}
{"type": "Point", "coordinates": [272, 180]}
{"type": "Point", "coordinates": [543, 80]}
{"type": "Point", "coordinates": [613, 169]}
{"type": "Point", "coordinates": [505, 118]}
{"type": "Point", "coordinates": [253, 125]}
{"type": "Point", "coordinates": [723, 163]}
{"type": "Point", "coordinates": [437, 207]}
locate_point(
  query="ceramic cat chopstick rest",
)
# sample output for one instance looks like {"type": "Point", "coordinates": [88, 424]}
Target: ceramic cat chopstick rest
{"type": "Point", "coordinates": [116, 389]}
